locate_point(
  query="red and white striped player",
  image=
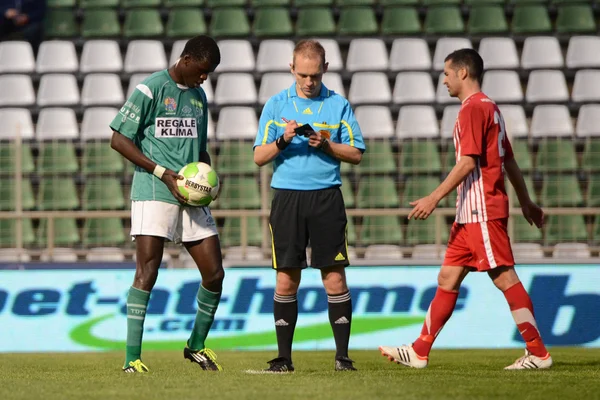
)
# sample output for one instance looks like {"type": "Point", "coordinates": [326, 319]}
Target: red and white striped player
{"type": "Point", "coordinates": [478, 240]}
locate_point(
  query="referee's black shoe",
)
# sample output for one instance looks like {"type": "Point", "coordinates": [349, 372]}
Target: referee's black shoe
{"type": "Point", "coordinates": [344, 364]}
{"type": "Point", "coordinates": [280, 365]}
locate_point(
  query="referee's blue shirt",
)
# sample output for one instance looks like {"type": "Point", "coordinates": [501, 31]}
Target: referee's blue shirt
{"type": "Point", "coordinates": [299, 166]}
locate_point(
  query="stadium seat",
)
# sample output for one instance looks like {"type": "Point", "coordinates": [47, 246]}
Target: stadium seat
{"type": "Point", "coordinates": [570, 251]}
{"type": "Point", "coordinates": [375, 121]}
{"type": "Point", "coordinates": [417, 122]}
{"type": "Point", "coordinates": [57, 56]}
{"type": "Point", "coordinates": [499, 53]}
{"type": "Point", "coordinates": [102, 90]}
{"type": "Point", "coordinates": [448, 121]}
{"type": "Point", "coordinates": [134, 80]}
{"type": "Point", "coordinates": [575, 18]}
{"type": "Point", "coordinates": [583, 52]}
{"type": "Point", "coordinates": [515, 120]}
{"type": "Point", "coordinates": [235, 88]}
{"type": "Point", "coordinates": [425, 252]}
{"type": "Point", "coordinates": [369, 88]}
{"type": "Point", "coordinates": [448, 164]}
{"type": "Point", "coordinates": [105, 254]}
{"type": "Point", "coordinates": [441, 92]}
{"type": "Point", "coordinates": [523, 232]}
{"type": "Point", "coordinates": [225, 3]}
{"type": "Point", "coordinates": [185, 23]}
{"type": "Point", "coordinates": [142, 23]}
{"type": "Point", "coordinates": [60, 3]}
{"type": "Point", "coordinates": [383, 252]}
{"type": "Point", "coordinates": [377, 192]}
{"type": "Point", "coordinates": [586, 87]}
{"type": "Point", "coordinates": [274, 55]}
{"type": "Point", "coordinates": [311, 3]}
{"type": "Point", "coordinates": [65, 232]}
{"type": "Point", "coordinates": [208, 90]}
{"type": "Point", "coordinates": [413, 88]}
{"type": "Point", "coordinates": [7, 158]}
{"type": "Point", "coordinates": [400, 21]}
{"type": "Point", "coordinates": [239, 253]}
{"type": "Point", "coordinates": [417, 187]}
{"type": "Point", "coordinates": [541, 52]}
{"type": "Point", "coordinates": [367, 55]}
{"type": "Point", "coordinates": [443, 20]}
{"type": "Point", "coordinates": [589, 162]}
{"type": "Point", "coordinates": [8, 201]}
{"type": "Point", "coordinates": [183, 3]}
{"type": "Point", "coordinates": [333, 55]}
{"type": "Point", "coordinates": [380, 230]}
{"type": "Point", "coordinates": [596, 231]}
{"type": "Point", "coordinates": [333, 81]}
{"type": "Point", "coordinates": [503, 86]}
{"type": "Point", "coordinates": [593, 191]}
{"type": "Point", "coordinates": [236, 157]}
{"type": "Point", "coordinates": [527, 251]}
{"type": "Point", "coordinates": [588, 120]}
{"type": "Point", "coordinates": [60, 23]}
{"type": "Point", "coordinates": [99, 232]}
{"type": "Point", "coordinates": [55, 130]}
{"type": "Point", "coordinates": [237, 123]}
{"type": "Point", "coordinates": [315, 21]}
{"type": "Point", "coordinates": [531, 19]}
{"type": "Point", "coordinates": [379, 159]}
{"type": "Point", "coordinates": [85, 4]}
{"type": "Point", "coordinates": [420, 156]}
{"type": "Point", "coordinates": [556, 155]}
{"type": "Point", "coordinates": [522, 155]}
{"type": "Point", "coordinates": [512, 194]}
{"type": "Point", "coordinates": [8, 232]}
{"type": "Point", "coordinates": [15, 121]}
{"type": "Point", "coordinates": [57, 194]}
{"type": "Point", "coordinates": [349, 198]}
{"type": "Point", "coordinates": [100, 23]}
{"type": "Point", "coordinates": [550, 120]}
{"type": "Point", "coordinates": [423, 232]}
{"type": "Point", "coordinates": [17, 91]}
{"type": "Point", "coordinates": [566, 228]}
{"type": "Point", "coordinates": [357, 21]}
{"type": "Point", "coordinates": [98, 156]}
{"type": "Point", "coordinates": [561, 191]}
{"type": "Point", "coordinates": [231, 235]}
{"type": "Point", "coordinates": [386, 3]}
{"type": "Point", "coordinates": [16, 57]}
{"type": "Point", "coordinates": [269, 3]}
{"type": "Point", "coordinates": [273, 83]}
{"type": "Point", "coordinates": [272, 22]}
{"type": "Point", "coordinates": [239, 193]}
{"type": "Point", "coordinates": [546, 86]}
{"type": "Point", "coordinates": [101, 56]}
{"type": "Point", "coordinates": [102, 193]}
{"type": "Point", "coordinates": [410, 54]}
{"type": "Point", "coordinates": [145, 56]}
{"type": "Point", "coordinates": [140, 3]}
{"type": "Point", "coordinates": [236, 56]}
{"type": "Point", "coordinates": [445, 46]}
{"type": "Point", "coordinates": [229, 22]}
{"type": "Point", "coordinates": [487, 19]}
{"type": "Point", "coordinates": [58, 90]}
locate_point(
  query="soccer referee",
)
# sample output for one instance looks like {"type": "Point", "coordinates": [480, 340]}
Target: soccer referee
{"type": "Point", "coordinates": [308, 204]}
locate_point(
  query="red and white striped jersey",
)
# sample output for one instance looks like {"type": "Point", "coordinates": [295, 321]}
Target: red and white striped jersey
{"type": "Point", "coordinates": [479, 131]}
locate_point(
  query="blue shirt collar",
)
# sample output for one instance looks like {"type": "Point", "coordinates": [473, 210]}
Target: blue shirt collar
{"type": "Point", "coordinates": [324, 91]}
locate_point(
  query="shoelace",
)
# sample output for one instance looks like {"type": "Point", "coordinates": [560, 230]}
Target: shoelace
{"type": "Point", "coordinates": [139, 366]}
{"type": "Point", "coordinates": [210, 354]}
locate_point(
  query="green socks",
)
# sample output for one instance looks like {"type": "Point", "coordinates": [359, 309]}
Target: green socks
{"type": "Point", "coordinates": [207, 307]}
{"type": "Point", "coordinates": [137, 301]}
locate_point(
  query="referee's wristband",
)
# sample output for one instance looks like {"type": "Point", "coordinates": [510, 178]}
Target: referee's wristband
{"type": "Point", "coordinates": [159, 171]}
{"type": "Point", "coordinates": [281, 143]}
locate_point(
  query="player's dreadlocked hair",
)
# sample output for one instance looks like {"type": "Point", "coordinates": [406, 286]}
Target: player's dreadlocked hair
{"type": "Point", "coordinates": [202, 48]}
{"type": "Point", "coordinates": [469, 59]}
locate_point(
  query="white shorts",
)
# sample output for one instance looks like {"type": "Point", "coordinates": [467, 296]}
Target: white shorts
{"type": "Point", "coordinates": [171, 221]}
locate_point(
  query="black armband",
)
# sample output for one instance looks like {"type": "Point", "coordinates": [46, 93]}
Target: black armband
{"type": "Point", "coordinates": [281, 143]}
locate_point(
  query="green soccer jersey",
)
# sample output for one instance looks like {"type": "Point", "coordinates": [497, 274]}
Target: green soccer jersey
{"type": "Point", "coordinates": [168, 123]}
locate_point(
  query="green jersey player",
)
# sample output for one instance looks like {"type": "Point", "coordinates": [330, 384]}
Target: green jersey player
{"type": "Point", "coordinates": [161, 128]}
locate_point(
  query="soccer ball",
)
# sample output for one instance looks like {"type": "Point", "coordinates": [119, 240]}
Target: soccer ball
{"type": "Point", "coordinates": [200, 185]}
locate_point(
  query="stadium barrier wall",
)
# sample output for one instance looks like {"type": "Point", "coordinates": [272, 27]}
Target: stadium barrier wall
{"type": "Point", "coordinates": [75, 309]}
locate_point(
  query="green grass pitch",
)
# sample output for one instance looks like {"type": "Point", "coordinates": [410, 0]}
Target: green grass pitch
{"type": "Point", "coordinates": [452, 374]}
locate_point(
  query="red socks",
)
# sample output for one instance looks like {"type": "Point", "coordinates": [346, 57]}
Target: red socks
{"type": "Point", "coordinates": [439, 312]}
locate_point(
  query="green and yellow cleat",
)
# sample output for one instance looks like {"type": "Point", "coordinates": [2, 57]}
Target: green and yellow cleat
{"type": "Point", "coordinates": [205, 358]}
{"type": "Point", "coordinates": [135, 366]}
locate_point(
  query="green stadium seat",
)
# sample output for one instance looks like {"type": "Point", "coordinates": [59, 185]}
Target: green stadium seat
{"type": "Point", "coordinates": [442, 20]}
{"type": "Point", "coordinates": [487, 19]}
{"type": "Point", "coordinates": [400, 21]}
{"type": "Point", "coordinates": [98, 3]}
{"type": "Point", "coordinates": [380, 230]}
{"type": "Point", "coordinates": [556, 155]}
{"type": "Point", "coordinates": [440, 2]}
{"type": "Point", "coordinates": [523, 232]}
{"type": "Point", "coordinates": [103, 194]}
{"type": "Point", "coordinates": [140, 3]}
{"type": "Point", "coordinates": [420, 156]}
{"type": "Point", "coordinates": [597, 229]}
{"type": "Point", "coordinates": [235, 157]}
{"type": "Point", "coordinates": [60, 3]}
{"type": "Point", "coordinates": [231, 234]}
{"type": "Point", "coordinates": [591, 154]}
{"type": "Point", "coordinates": [183, 3]}
{"type": "Point", "coordinates": [593, 191]}
{"type": "Point", "coordinates": [57, 158]}
{"type": "Point", "coordinates": [7, 158]}
{"type": "Point", "coordinates": [531, 19]}
{"type": "Point", "coordinates": [100, 158]}
{"type": "Point", "coordinates": [8, 193]}
{"type": "Point", "coordinates": [225, 3]}
{"type": "Point", "coordinates": [479, 2]}
{"type": "Point", "coordinates": [519, 2]}
{"type": "Point", "coordinates": [379, 159]}
{"type": "Point", "coordinates": [449, 157]}
{"type": "Point", "coordinates": [99, 232]}
{"type": "Point", "coordinates": [512, 195]}
{"type": "Point", "coordinates": [348, 193]}
{"type": "Point", "coordinates": [387, 3]}
{"type": "Point", "coordinates": [575, 18]}
{"type": "Point", "coordinates": [561, 191]}
{"type": "Point", "coordinates": [349, 3]}
{"type": "Point", "coordinates": [65, 232]}
{"type": "Point", "coordinates": [351, 232]}
{"type": "Point", "coordinates": [312, 3]}
{"type": "Point", "coordinates": [57, 194]}
{"type": "Point", "coordinates": [142, 23]}
{"type": "Point", "coordinates": [357, 21]}
{"type": "Point", "coordinates": [272, 22]}
{"type": "Point", "coordinates": [377, 192]}
{"type": "Point", "coordinates": [8, 232]}
{"type": "Point", "coordinates": [270, 3]}
{"type": "Point", "coordinates": [239, 193]}
{"type": "Point", "coordinates": [418, 187]}
{"type": "Point", "coordinates": [566, 228]}
{"type": "Point", "coordinates": [100, 23]}
{"type": "Point", "coordinates": [185, 23]}
{"type": "Point", "coordinates": [423, 232]}
{"type": "Point", "coordinates": [60, 23]}
{"type": "Point", "coordinates": [229, 23]}
{"type": "Point", "coordinates": [522, 154]}
{"type": "Point", "coordinates": [315, 21]}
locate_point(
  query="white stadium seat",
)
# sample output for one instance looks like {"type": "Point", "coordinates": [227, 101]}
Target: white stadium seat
{"type": "Point", "coordinates": [375, 121]}
{"type": "Point", "coordinates": [551, 120]}
{"type": "Point", "coordinates": [57, 123]}
{"type": "Point", "coordinates": [588, 120]}
{"type": "Point", "coordinates": [235, 88]}
{"type": "Point", "coordinates": [369, 88]}
{"type": "Point", "coordinates": [176, 51]}
{"type": "Point", "coordinates": [134, 80]}
{"type": "Point", "coordinates": [333, 81]}
{"type": "Point", "coordinates": [449, 120]}
{"type": "Point", "coordinates": [145, 56]}
{"type": "Point", "coordinates": [96, 121]}
{"type": "Point", "coordinates": [17, 91]}
{"type": "Point", "coordinates": [498, 53]}
{"type": "Point", "coordinates": [586, 87]}
{"type": "Point", "coordinates": [583, 52]}
{"type": "Point", "coordinates": [272, 83]}
{"type": "Point", "coordinates": [274, 55]}
{"type": "Point", "coordinates": [102, 90]}
{"type": "Point", "coordinates": [332, 54]}
{"type": "Point", "coordinates": [413, 87]}
{"type": "Point", "coordinates": [546, 86]}
{"type": "Point", "coordinates": [16, 57]}
{"type": "Point", "coordinates": [410, 54]}
{"type": "Point", "coordinates": [237, 123]}
{"type": "Point", "coordinates": [445, 46]}
{"type": "Point", "coordinates": [16, 121]}
{"type": "Point", "coordinates": [541, 52]}
{"type": "Point", "coordinates": [57, 56]}
{"type": "Point", "coordinates": [367, 55]}
{"type": "Point", "coordinates": [101, 56]}
{"type": "Point", "coordinates": [502, 86]}
{"type": "Point", "coordinates": [58, 90]}
{"type": "Point", "coordinates": [236, 56]}
{"type": "Point", "coordinates": [417, 122]}
{"type": "Point", "coordinates": [515, 120]}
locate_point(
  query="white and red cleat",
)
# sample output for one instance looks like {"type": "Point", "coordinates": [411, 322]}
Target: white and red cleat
{"type": "Point", "coordinates": [529, 361]}
{"type": "Point", "coordinates": [404, 355]}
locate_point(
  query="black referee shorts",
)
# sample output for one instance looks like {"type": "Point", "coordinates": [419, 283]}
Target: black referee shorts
{"type": "Point", "coordinates": [318, 216]}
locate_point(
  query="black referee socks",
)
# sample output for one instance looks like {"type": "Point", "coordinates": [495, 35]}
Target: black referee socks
{"type": "Point", "coordinates": [340, 317]}
{"type": "Point", "coordinates": [285, 311]}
